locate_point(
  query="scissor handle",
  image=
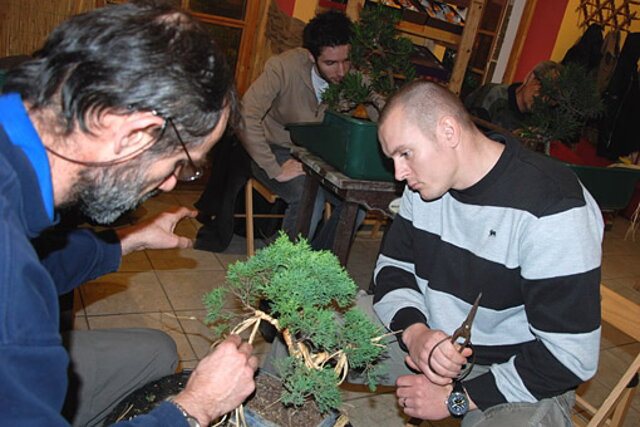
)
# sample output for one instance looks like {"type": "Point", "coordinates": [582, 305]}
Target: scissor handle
{"type": "Point", "coordinates": [463, 332]}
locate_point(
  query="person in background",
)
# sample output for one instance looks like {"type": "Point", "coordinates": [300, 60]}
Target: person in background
{"type": "Point", "coordinates": [121, 102]}
{"type": "Point", "coordinates": [482, 214]}
{"type": "Point", "coordinates": [289, 90]}
{"type": "Point", "coordinates": [509, 105]}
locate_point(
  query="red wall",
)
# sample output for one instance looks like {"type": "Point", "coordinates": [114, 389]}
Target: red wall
{"type": "Point", "coordinates": [541, 37]}
{"type": "Point", "coordinates": [287, 6]}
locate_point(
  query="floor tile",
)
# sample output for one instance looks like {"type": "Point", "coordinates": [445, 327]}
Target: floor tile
{"type": "Point", "coordinates": [135, 261]}
{"type": "Point", "coordinates": [186, 288]}
{"type": "Point", "coordinates": [183, 259]}
{"type": "Point", "coordinates": [120, 293]}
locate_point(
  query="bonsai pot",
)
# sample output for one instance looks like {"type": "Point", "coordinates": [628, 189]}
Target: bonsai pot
{"type": "Point", "coordinates": [349, 145]}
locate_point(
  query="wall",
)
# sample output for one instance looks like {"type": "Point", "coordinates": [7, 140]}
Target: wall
{"type": "Point", "coordinates": [541, 36]}
{"type": "Point", "coordinates": [569, 33]}
{"type": "Point", "coordinates": [554, 29]}
{"type": "Point", "coordinates": [25, 24]}
{"type": "Point", "coordinates": [305, 10]}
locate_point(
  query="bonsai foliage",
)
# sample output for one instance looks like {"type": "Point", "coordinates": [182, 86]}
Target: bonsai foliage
{"type": "Point", "coordinates": [380, 59]}
{"type": "Point", "coordinates": [311, 296]}
{"type": "Point", "coordinates": [566, 101]}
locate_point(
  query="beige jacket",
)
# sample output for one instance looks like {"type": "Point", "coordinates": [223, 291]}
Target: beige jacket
{"type": "Point", "coordinates": [282, 94]}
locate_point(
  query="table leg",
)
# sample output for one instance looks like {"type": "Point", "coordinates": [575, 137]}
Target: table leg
{"type": "Point", "coordinates": [344, 232]}
{"type": "Point", "coordinates": [306, 206]}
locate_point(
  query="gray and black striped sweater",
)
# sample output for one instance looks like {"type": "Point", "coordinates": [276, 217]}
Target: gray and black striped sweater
{"type": "Point", "coordinates": [528, 235]}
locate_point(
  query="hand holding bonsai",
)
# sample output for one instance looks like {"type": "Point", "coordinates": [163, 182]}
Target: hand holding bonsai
{"type": "Point", "coordinates": [220, 382]}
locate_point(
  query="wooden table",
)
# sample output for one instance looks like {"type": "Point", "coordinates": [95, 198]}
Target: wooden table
{"type": "Point", "coordinates": [372, 195]}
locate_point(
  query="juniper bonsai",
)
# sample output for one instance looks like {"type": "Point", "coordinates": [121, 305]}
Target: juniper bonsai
{"type": "Point", "coordinates": [312, 300]}
{"type": "Point", "coordinates": [380, 59]}
{"type": "Point", "coordinates": [566, 101]}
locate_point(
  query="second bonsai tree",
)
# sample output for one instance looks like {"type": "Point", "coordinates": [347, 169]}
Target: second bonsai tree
{"type": "Point", "coordinates": [380, 59]}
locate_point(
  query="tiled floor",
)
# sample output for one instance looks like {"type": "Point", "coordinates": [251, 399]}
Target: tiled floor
{"type": "Point", "coordinates": [163, 290]}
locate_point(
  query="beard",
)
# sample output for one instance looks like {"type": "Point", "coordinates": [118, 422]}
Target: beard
{"type": "Point", "coordinates": [103, 194]}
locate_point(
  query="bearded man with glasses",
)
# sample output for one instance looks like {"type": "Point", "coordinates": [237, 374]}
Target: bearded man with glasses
{"type": "Point", "coordinates": [120, 103]}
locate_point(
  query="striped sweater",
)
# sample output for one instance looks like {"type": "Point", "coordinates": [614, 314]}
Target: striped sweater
{"type": "Point", "coordinates": [528, 236]}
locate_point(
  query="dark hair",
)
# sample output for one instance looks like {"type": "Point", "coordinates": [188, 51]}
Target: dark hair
{"type": "Point", "coordinates": [125, 58]}
{"type": "Point", "coordinates": [423, 103]}
{"type": "Point", "coordinates": [326, 29]}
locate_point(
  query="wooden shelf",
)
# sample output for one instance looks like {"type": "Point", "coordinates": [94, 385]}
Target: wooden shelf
{"type": "Point", "coordinates": [462, 43]}
{"type": "Point", "coordinates": [431, 33]}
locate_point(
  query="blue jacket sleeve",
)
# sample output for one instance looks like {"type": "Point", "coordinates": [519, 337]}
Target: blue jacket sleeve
{"type": "Point", "coordinates": [164, 415]}
{"type": "Point", "coordinates": [74, 257]}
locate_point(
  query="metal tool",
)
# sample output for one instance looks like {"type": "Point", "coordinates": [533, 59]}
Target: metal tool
{"type": "Point", "coordinates": [464, 331]}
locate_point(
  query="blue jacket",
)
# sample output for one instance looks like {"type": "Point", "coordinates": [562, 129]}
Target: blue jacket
{"type": "Point", "coordinates": [33, 362]}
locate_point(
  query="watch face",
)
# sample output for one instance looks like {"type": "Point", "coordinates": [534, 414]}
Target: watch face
{"type": "Point", "coordinates": [458, 404]}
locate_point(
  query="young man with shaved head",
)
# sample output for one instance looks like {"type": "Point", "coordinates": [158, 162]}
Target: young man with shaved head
{"type": "Point", "coordinates": [482, 214]}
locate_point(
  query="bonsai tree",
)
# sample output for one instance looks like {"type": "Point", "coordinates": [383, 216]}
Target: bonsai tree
{"type": "Point", "coordinates": [311, 296]}
{"type": "Point", "coordinates": [566, 101]}
{"type": "Point", "coordinates": [380, 59]}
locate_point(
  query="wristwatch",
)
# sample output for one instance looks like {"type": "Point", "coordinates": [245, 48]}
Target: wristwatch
{"type": "Point", "coordinates": [191, 420]}
{"type": "Point", "coordinates": [458, 402]}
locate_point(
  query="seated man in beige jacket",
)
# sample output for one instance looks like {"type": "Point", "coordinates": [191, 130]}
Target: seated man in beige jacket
{"type": "Point", "coordinates": [290, 90]}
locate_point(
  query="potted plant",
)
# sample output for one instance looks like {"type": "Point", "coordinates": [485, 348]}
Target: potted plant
{"type": "Point", "coordinates": [380, 59]}
{"type": "Point", "coordinates": [312, 299]}
{"type": "Point", "coordinates": [381, 65]}
{"type": "Point", "coordinates": [567, 100]}
{"type": "Point", "coordinates": [311, 306]}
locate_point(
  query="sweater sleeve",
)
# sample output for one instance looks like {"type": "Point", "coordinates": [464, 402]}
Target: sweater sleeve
{"type": "Point", "coordinates": [398, 301]}
{"type": "Point", "coordinates": [77, 256]}
{"type": "Point", "coordinates": [255, 105]}
{"type": "Point", "coordinates": [165, 415]}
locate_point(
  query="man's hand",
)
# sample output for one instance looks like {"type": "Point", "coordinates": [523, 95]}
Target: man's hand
{"type": "Point", "coordinates": [290, 169]}
{"type": "Point", "coordinates": [156, 233]}
{"type": "Point", "coordinates": [220, 382]}
{"type": "Point", "coordinates": [421, 398]}
{"type": "Point", "coordinates": [445, 360]}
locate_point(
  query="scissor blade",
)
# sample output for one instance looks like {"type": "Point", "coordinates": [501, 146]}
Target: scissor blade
{"type": "Point", "coordinates": [472, 312]}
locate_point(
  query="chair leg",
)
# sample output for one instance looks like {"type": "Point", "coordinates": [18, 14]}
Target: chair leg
{"type": "Point", "coordinates": [327, 212]}
{"type": "Point", "coordinates": [248, 199]}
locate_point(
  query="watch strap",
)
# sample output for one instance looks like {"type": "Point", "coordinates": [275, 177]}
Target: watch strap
{"type": "Point", "coordinates": [191, 420]}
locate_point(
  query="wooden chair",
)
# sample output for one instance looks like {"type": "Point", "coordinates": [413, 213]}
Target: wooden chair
{"type": "Point", "coordinates": [253, 184]}
{"type": "Point", "coordinates": [624, 315]}
{"type": "Point", "coordinates": [376, 220]}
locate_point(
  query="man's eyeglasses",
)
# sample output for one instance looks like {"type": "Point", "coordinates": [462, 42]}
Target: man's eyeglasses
{"type": "Point", "coordinates": [185, 171]}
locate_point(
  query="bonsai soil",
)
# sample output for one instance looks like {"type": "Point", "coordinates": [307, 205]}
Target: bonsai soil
{"type": "Point", "coordinates": [266, 402]}
{"type": "Point", "coordinates": [145, 399]}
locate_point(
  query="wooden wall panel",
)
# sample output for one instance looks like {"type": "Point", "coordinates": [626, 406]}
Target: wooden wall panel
{"type": "Point", "coordinates": [25, 24]}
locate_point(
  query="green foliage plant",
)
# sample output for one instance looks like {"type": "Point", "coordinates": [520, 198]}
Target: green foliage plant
{"type": "Point", "coordinates": [380, 61]}
{"type": "Point", "coordinates": [567, 100]}
{"type": "Point", "coordinates": [312, 299]}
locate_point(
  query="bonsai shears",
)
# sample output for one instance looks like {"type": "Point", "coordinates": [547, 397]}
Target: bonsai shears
{"type": "Point", "coordinates": [463, 333]}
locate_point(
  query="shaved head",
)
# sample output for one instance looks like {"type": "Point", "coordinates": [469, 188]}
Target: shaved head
{"type": "Point", "coordinates": [424, 103]}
